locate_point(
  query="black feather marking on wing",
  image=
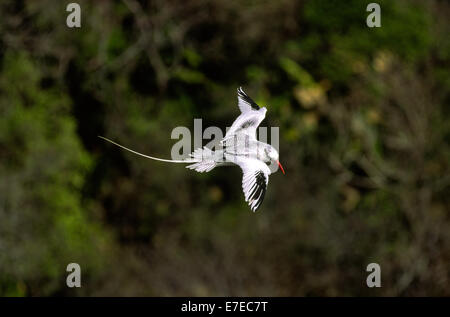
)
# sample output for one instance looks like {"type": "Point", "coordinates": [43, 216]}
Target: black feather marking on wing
{"type": "Point", "coordinates": [247, 124]}
{"type": "Point", "coordinates": [259, 191]}
{"type": "Point", "coordinates": [253, 190]}
{"type": "Point", "coordinates": [247, 99]}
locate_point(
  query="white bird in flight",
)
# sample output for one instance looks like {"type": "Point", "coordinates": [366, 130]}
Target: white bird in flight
{"type": "Point", "coordinates": [240, 147]}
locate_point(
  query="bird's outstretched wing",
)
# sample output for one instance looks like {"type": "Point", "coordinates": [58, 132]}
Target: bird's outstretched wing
{"type": "Point", "coordinates": [249, 120]}
{"type": "Point", "coordinates": [246, 103]}
{"type": "Point", "coordinates": [254, 181]}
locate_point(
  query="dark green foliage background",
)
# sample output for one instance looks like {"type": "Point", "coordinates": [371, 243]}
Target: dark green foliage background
{"type": "Point", "coordinates": [364, 138]}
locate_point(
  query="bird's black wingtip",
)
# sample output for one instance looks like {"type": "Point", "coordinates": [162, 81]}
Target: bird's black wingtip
{"type": "Point", "coordinates": [246, 98]}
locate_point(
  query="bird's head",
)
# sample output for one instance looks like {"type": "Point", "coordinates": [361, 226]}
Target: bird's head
{"type": "Point", "coordinates": [273, 156]}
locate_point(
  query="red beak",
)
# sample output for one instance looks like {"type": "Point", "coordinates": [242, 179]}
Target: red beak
{"type": "Point", "coordinates": [281, 167]}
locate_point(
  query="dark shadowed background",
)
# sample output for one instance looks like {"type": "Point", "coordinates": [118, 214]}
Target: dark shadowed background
{"type": "Point", "coordinates": [364, 139]}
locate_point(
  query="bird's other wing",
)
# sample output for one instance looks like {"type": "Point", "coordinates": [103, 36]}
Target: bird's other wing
{"type": "Point", "coordinates": [254, 181]}
{"type": "Point", "coordinates": [246, 103]}
{"type": "Point", "coordinates": [244, 128]}
{"type": "Point", "coordinates": [247, 123]}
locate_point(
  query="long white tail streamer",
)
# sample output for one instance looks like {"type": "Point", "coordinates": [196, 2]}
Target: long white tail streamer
{"type": "Point", "coordinates": [147, 156]}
